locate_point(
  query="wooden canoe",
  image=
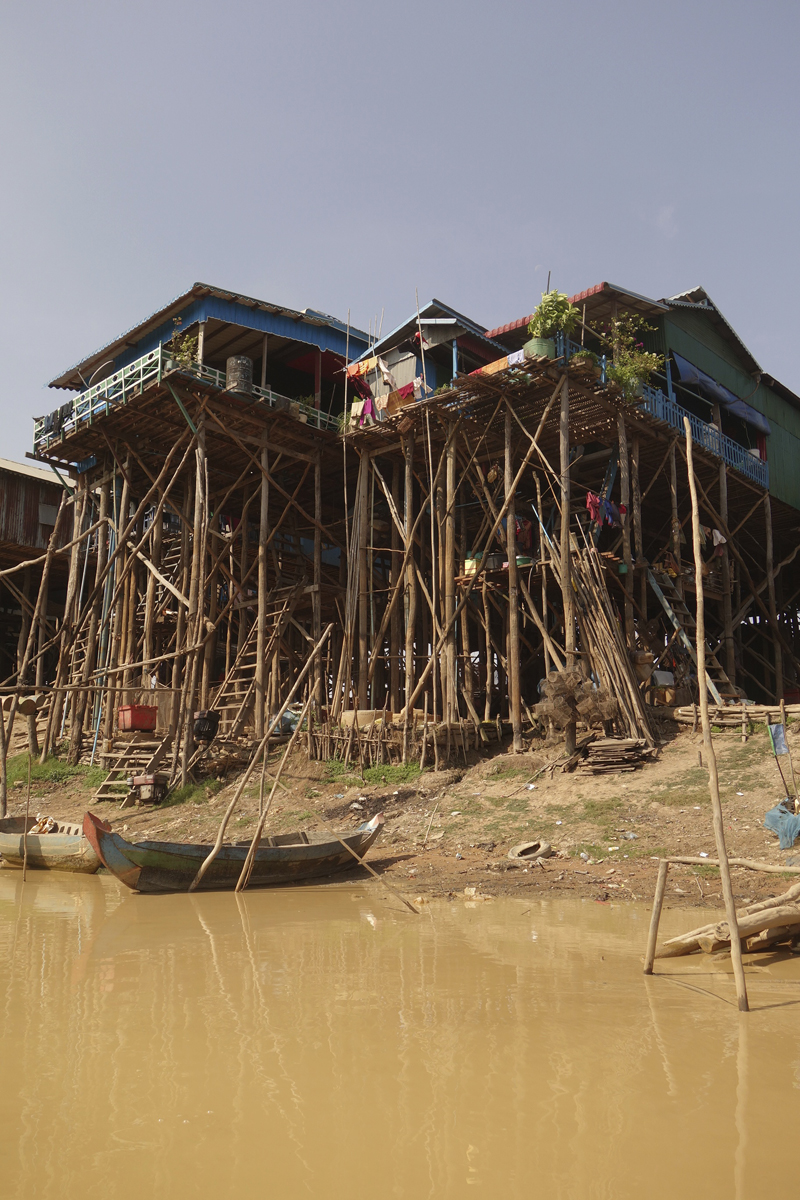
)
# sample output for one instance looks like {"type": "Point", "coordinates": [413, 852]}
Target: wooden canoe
{"type": "Point", "coordinates": [171, 866]}
{"type": "Point", "coordinates": [66, 850]}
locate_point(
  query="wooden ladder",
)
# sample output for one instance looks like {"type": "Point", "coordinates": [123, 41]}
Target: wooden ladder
{"type": "Point", "coordinates": [235, 696]}
{"type": "Point", "coordinates": [682, 619]}
{"type": "Point", "coordinates": [139, 756]}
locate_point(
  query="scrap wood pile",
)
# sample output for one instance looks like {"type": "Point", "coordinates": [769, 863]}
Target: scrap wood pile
{"type": "Point", "coordinates": [732, 715]}
{"type": "Point", "coordinates": [761, 926]}
{"type": "Point", "coordinates": [603, 646]}
{"type": "Point", "coordinates": [606, 756]}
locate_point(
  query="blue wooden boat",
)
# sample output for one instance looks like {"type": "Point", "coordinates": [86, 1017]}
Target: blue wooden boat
{"type": "Point", "coordinates": [66, 849]}
{"type": "Point", "coordinates": [171, 866]}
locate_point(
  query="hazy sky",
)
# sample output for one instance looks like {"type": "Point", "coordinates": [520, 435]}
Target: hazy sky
{"type": "Point", "coordinates": [340, 155]}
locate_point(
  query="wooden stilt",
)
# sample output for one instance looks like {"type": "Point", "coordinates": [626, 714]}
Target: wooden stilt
{"type": "Point", "coordinates": [655, 918]}
{"type": "Point", "coordinates": [316, 598]}
{"type": "Point", "coordinates": [362, 500]}
{"type": "Point", "coordinates": [636, 488]}
{"type": "Point", "coordinates": [570, 732]}
{"type": "Point", "coordinates": [713, 778]}
{"type": "Point", "coordinates": [514, 688]}
{"type": "Point", "coordinates": [261, 632]}
{"type": "Point", "coordinates": [395, 583]}
{"type": "Point", "coordinates": [448, 577]}
{"type": "Point", "coordinates": [625, 499]}
{"type": "Point", "coordinates": [773, 611]}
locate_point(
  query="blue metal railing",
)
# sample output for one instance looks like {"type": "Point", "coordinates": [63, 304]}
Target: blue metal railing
{"type": "Point", "coordinates": [130, 381]}
{"type": "Point", "coordinates": [707, 436]}
{"type": "Point", "coordinates": [662, 408]}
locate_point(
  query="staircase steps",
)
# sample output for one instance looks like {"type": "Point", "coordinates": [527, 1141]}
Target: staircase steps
{"type": "Point", "coordinates": [682, 619]}
{"type": "Point", "coordinates": [235, 696]}
{"type": "Point", "coordinates": [141, 755]}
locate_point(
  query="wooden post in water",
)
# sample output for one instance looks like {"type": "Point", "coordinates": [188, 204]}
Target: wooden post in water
{"type": "Point", "coordinates": [655, 917]}
{"type": "Point", "coordinates": [713, 778]}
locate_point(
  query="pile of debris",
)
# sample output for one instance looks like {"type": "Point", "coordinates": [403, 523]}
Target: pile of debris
{"type": "Point", "coordinates": [606, 756]}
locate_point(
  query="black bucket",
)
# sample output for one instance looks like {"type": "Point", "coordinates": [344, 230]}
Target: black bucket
{"type": "Point", "coordinates": [206, 724]}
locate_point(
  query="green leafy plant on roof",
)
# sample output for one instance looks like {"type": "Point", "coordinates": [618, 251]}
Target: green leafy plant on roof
{"type": "Point", "coordinates": [183, 348]}
{"type": "Point", "coordinates": [632, 365]}
{"type": "Point", "coordinates": [553, 315]}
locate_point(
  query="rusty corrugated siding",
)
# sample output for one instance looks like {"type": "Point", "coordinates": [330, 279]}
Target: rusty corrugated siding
{"type": "Point", "coordinates": [27, 511]}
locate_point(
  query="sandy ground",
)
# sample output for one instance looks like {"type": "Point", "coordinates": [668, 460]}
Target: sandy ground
{"type": "Point", "coordinates": [449, 830]}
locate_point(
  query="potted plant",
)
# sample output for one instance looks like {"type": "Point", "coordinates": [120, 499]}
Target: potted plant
{"type": "Point", "coordinates": [585, 358]}
{"type": "Point", "coordinates": [631, 365]}
{"type": "Point", "coordinates": [554, 315]}
{"type": "Point", "coordinates": [183, 349]}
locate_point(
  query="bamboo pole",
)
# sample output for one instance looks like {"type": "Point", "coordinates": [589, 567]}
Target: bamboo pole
{"type": "Point", "coordinates": [362, 500]}
{"type": "Point", "coordinates": [247, 866]}
{"type": "Point", "coordinates": [675, 524]}
{"type": "Point", "coordinates": [449, 582]}
{"type": "Point", "coordinates": [773, 611]}
{"type": "Point", "coordinates": [570, 731]}
{"type": "Point", "coordinates": [316, 599]}
{"type": "Point", "coordinates": [514, 685]}
{"type": "Point", "coordinates": [727, 615]}
{"type": "Point", "coordinates": [625, 499]}
{"type": "Point", "coordinates": [30, 641]}
{"type": "Point", "coordinates": [261, 749]}
{"type": "Point", "coordinates": [25, 830]}
{"type": "Point", "coordinates": [638, 535]}
{"type": "Point", "coordinates": [479, 573]}
{"type": "Point", "coordinates": [713, 778]}
{"type": "Point", "coordinates": [261, 631]}
{"type": "Point", "coordinates": [655, 918]}
{"type": "Point", "coordinates": [194, 621]}
{"type": "Point", "coordinates": [410, 597]}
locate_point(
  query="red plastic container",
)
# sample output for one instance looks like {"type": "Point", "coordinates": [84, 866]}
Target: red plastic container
{"type": "Point", "coordinates": [136, 717]}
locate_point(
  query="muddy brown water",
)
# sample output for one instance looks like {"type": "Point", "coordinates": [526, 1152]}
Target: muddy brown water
{"type": "Point", "coordinates": [321, 1042]}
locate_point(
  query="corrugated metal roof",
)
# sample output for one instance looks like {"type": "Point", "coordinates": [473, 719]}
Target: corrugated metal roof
{"type": "Point", "coordinates": [581, 297]}
{"type": "Point", "coordinates": [71, 377]}
{"type": "Point", "coordinates": [699, 300]}
{"type": "Point", "coordinates": [33, 472]}
{"type": "Point", "coordinates": [431, 309]}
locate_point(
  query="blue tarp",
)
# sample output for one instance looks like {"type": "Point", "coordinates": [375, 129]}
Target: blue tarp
{"type": "Point", "coordinates": [718, 394]}
{"type": "Point", "coordinates": [785, 823]}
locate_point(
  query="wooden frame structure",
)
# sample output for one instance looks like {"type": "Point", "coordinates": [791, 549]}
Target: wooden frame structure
{"type": "Point", "coordinates": [449, 545]}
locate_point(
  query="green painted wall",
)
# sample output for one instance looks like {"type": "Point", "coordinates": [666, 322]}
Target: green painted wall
{"type": "Point", "coordinates": [693, 336]}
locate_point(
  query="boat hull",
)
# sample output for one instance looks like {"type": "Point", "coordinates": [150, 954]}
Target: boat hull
{"type": "Point", "coordinates": [171, 866]}
{"type": "Point", "coordinates": [47, 851]}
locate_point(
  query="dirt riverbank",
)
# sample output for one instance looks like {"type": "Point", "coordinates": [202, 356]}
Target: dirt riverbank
{"type": "Point", "coordinates": [453, 829]}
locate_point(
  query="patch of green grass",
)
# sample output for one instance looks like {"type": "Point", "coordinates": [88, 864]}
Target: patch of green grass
{"type": "Point", "coordinates": [344, 776]}
{"type": "Point", "coordinates": [392, 773]}
{"type": "Point", "coordinates": [687, 799]}
{"type": "Point", "coordinates": [600, 810]}
{"type": "Point", "coordinates": [53, 770]}
{"type": "Point", "coordinates": [637, 850]}
{"type": "Point", "coordinates": [509, 772]}
{"type": "Point", "coordinates": [193, 793]}
{"type": "Point", "coordinates": [707, 871]}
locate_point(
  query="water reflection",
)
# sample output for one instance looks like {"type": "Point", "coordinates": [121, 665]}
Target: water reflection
{"type": "Point", "coordinates": [322, 1042]}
